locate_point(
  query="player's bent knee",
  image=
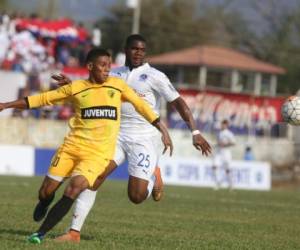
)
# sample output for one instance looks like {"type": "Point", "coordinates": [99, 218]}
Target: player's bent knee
{"type": "Point", "coordinates": [73, 192]}
{"type": "Point", "coordinates": [137, 197]}
{"type": "Point", "coordinates": [76, 186]}
{"type": "Point", "coordinates": [46, 191]}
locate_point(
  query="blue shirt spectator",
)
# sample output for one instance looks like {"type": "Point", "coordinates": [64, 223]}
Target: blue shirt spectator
{"type": "Point", "coordinates": [248, 156]}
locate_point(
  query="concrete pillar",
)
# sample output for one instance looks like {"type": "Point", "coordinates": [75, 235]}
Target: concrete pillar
{"type": "Point", "coordinates": [234, 81]}
{"type": "Point", "coordinates": [202, 77]}
{"type": "Point", "coordinates": [273, 85]}
{"type": "Point", "coordinates": [257, 84]}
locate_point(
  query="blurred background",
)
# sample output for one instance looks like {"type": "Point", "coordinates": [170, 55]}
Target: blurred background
{"type": "Point", "coordinates": [230, 59]}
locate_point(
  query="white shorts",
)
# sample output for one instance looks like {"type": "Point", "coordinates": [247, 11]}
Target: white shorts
{"type": "Point", "coordinates": [142, 154]}
{"type": "Point", "coordinates": [222, 160]}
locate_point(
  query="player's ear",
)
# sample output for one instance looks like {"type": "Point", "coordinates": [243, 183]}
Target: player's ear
{"type": "Point", "coordinates": [89, 66]}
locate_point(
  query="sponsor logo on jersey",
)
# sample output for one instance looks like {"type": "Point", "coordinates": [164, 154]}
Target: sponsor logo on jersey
{"type": "Point", "coordinates": [139, 94]}
{"type": "Point", "coordinates": [99, 112]}
{"type": "Point", "coordinates": [143, 77]}
{"type": "Point", "coordinates": [111, 93]}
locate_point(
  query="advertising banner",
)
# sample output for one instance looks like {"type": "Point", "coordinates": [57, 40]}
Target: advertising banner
{"type": "Point", "coordinates": [247, 114]}
{"type": "Point", "coordinates": [16, 160]}
{"type": "Point", "coordinates": [197, 172]}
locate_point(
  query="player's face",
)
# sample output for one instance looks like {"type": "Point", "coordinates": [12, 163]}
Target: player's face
{"type": "Point", "coordinates": [136, 53]}
{"type": "Point", "coordinates": [100, 68]}
{"type": "Point", "coordinates": [224, 126]}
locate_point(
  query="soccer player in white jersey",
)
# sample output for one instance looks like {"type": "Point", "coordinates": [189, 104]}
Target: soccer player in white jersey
{"type": "Point", "coordinates": [222, 156]}
{"type": "Point", "coordinates": [137, 141]}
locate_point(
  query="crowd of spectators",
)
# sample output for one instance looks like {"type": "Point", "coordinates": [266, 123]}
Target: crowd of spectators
{"type": "Point", "coordinates": [39, 55]}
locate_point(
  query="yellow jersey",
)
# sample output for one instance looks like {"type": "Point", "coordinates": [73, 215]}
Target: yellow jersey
{"type": "Point", "coordinates": [97, 111]}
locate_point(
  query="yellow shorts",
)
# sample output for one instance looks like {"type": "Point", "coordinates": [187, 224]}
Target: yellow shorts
{"type": "Point", "coordinates": [71, 161]}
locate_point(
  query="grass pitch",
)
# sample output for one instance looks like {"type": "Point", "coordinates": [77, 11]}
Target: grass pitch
{"type": "Point", "coordinates": [187, 218]}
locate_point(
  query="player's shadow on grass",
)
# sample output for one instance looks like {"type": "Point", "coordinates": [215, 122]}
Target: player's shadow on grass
{"type": "Point", "coordinates": [26, 233]}
{"type": "Point", "coordinates": [87, 237]}
{"type": "Point", "coordinates": [15, 232]}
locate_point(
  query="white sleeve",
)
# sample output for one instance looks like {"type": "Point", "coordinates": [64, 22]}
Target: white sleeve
{"type": "Point", "coordinates": [164, 87]}
{"type": "Point", "coordinates": [114, 73]}
{"type": "Point", "coordinates": [231, 137]}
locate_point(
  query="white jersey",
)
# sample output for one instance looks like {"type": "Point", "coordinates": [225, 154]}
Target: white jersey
{"type": "Point", "coordinates": [224, 136]}
{"type": "Point", "coordinates": [150, 84]}
{"type": "Point", "coordinates": [222, 156]}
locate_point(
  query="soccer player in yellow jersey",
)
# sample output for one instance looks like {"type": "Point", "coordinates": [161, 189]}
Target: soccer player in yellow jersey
{"type": "Point", "coordinates": [91, 142]}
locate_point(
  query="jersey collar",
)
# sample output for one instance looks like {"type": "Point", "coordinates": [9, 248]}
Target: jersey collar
{"type": "Point", "coordinates": [142, 67]}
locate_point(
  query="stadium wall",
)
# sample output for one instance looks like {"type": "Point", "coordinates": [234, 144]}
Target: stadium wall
{"type": "Point", "coordinates": [184, 171]}
{"type": "Point", "coordinates": [50, 134]}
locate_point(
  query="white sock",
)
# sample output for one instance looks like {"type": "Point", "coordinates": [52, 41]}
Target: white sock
{"type": "Point", "coordinates": [83, 205]}
{"type": "Point", "coordinates": [150, 185]}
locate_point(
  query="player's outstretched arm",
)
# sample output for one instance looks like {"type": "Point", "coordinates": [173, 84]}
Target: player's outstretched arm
{"type": "Point", "coordinates": [199, 141]}
{"type": "Point", "coordinates": [39, 100]}
{"type": "Point", "coordinates": [18, 104]}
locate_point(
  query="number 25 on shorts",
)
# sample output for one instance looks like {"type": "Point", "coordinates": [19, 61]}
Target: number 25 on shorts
{"type": "Point", "coordinates": [144, 160]}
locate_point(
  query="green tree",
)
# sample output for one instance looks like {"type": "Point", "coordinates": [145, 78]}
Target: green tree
{"type": "Point", "coordinates": [3, 4]}
{"type": "Point", "coordinates": [279, 41]}
{"type": "Point", "coordinates": [167, 25]}
{"type": "Point", "coordinates": [229, 27]}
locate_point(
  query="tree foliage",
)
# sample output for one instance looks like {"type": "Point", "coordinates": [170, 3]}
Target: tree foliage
{"type": "Point", "coordinates": [272, 35]}
{"type": "Point", "coordinates": [167, 25]}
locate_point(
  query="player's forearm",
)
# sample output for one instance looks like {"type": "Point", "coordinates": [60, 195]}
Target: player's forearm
{"type": "Point", "coordinates": [18, 104]}
{"type": "Point", "coordinates": [180, 105]}
{"type": "Point", "coordinates": [159, 125]}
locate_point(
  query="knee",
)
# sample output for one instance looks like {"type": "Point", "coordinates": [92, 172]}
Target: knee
{"type": "Point", "coordinates": [137, 197]}
{"type": "Point", "coordinates": [45, 192]}
{"type": "Point", "coordinates": [72, 192]}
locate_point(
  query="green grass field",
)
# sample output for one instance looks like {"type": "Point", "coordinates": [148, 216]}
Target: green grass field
{"type": "Point", "coordinates": [187, 218]}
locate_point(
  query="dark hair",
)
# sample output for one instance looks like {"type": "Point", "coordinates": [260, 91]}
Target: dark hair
{"type": "Point", "coordinates": [225, 122]}
{"type": "Point", "coordinates": [95, 53]}
{"type": "Point", "coordinates": [132, 38]}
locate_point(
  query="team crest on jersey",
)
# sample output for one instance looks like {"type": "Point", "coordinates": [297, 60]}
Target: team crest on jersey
{"type": "Point", "coordinates": [143, 77]}
{"type": "Point", "coordinates": [111, 93]}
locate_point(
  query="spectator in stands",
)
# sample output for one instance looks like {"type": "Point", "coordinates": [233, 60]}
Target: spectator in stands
{"type": "Point", "coordinates": [120, 59]}
{"type": "Point", "coordinates": [96, 36]}
{"type": "Point", "coordinates": [39, 53]}
{"type": "Point", "coordinates": [4, 41]}
{"type": "Point", "coordinates": [63, 53]}
{"type": "Point", "coordinates": [82, 33]}
{"type": "Point", "coordinates": [248, 156]}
